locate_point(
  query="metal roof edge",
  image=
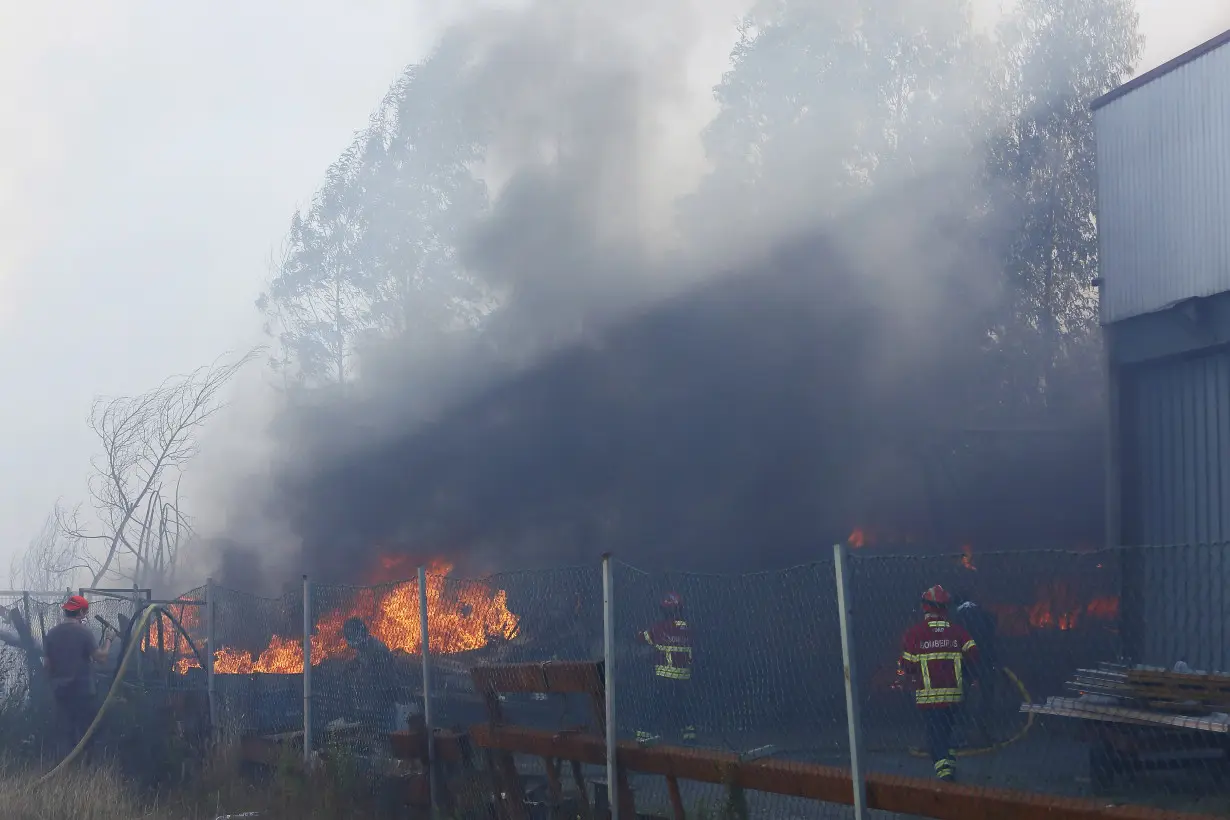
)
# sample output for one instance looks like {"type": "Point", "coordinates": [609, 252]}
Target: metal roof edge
{"type": "Point", "coordinates": [1165, 68]}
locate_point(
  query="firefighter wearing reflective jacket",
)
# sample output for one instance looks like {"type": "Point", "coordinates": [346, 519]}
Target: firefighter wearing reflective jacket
{"type": "Point", "coordinates": [668, 709]}
{"type": "Point", "coordinates": [934, 654]}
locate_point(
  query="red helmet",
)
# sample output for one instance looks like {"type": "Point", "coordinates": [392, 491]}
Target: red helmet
{"type": "Point", "coordinates": [671, 600]}
{"type": "Point", "coordinates": [76, 605]}
{"type": "Point", "coordinates": [936, 598]}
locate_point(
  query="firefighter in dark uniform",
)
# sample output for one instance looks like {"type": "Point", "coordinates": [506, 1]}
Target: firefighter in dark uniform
{"type": "Point", "coordinates": [373, 678]}
{"type": "Point", "coordinates": [70, 652]}
{"type": "Point", "coordinates": [934, 655]}
{"type": "Point", "coordinates": [980, 624]}
{"type": "Point", "coordinates": [668, 706]}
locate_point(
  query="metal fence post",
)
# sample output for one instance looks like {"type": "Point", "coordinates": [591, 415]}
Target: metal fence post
{"type": "Point", "coordinates": [136, 611]}
{"type": "Point", "coordinates": [608, 663]}
{"type": "Point", "coordinates": [428, 725]}
{"type": "Point", "coordinates": [211, 648]}
{"type": "Point", "coordinates": [32, 667]}
{"type": "Point", "coordinates": [307, 671]}
{"type": "Point", "coordinates": [845, 609]}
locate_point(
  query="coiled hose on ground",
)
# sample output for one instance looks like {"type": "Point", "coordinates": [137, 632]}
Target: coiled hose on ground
{"type": "Point", "coordinates": [995, 747]}
{"type": "Point", "coordinates": [137, 627]}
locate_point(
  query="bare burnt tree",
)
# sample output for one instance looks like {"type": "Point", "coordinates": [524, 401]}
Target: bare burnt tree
{"type": "Point", "coordinates": [147, 441]}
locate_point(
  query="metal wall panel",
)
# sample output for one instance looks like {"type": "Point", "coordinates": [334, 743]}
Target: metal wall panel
{"type": "Point", "coordinates": [1163, 154]}
{"type": "Point", "coordinates": [1176, 481]}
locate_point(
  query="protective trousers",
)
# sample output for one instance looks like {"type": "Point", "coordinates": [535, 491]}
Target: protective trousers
{"type": "Point", "coordinates": [668, 711]}
{"type": "Point", "coordinates": [939, 722]}
{"type": "Point", "coordinates": [75, 710]}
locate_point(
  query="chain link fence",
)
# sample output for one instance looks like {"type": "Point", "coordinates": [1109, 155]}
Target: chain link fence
{"type": "Point", "coordinates": [764, 677]}
{"type": "Point", "coordinates": [1048, 704]}
{"type": "Point", "coordinates": [1074, 692]}
{"type": "Point", "coordinates": [1037, 618]}
{"type": "Point", "coordinates": [40, 611]}
{"type": "Point", "coordinates": [136, 705]}
{"type": "Point", "coordinates": [257, 659]}
{"type": "Point", "coordinates": [513, 618]}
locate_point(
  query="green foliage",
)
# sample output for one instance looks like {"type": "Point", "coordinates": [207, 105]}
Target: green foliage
{"type": "Point", "coordinates": [825, 98]}
{"type": "Point", "coordinates": [374, 255]}
{"type": "Point", "coordinates": [825, 101]}
{"type": "Point", "coordinates": [1057, 57]}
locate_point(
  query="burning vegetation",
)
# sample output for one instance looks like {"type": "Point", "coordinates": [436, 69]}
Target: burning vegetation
{"type": "Point", "coordinates": [464, 616]}
{"type": "Point", "coordinates": [1057, 606]}
{"type": "Point", "coordinates": [1062, 604]}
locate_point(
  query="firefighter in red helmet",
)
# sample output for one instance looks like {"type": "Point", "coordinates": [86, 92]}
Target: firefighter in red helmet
{"type": "Point", "coordinates": [69, 652]}
{"type": "Point", "coordinates": [669, 703]}
{"type": "Point", "coordinates": [934, 655]}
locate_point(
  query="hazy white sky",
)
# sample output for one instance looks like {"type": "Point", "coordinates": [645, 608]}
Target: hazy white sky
{"type": "Point", "coordinates": [151, 155]}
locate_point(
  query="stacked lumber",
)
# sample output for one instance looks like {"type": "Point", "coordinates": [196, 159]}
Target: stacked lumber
{"type": "Point", "coordinates": [1092, 709]}
{"type": "Point", "coordinates": [1153, 689]}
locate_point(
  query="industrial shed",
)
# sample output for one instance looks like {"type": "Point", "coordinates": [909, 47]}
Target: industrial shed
{"type": "Point", "coordinates": [1163, 154]}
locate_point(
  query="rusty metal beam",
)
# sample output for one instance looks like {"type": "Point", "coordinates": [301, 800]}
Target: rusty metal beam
{"type": "Point", "coordinates": [551, 677]}
{"type": "Point", "coordinates": [903, 795]}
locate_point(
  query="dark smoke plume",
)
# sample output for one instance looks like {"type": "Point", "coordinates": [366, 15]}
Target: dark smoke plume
{"type": "Point", "coordinates": [745, 423]}
{"type": "Point", "coordinates": [737, 403]}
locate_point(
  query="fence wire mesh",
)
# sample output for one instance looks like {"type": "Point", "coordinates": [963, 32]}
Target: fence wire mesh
{"type": "Point", "coordinates": [39, 611]}
{"type": "Point", "coordinates": [152, 726]}
{"type": "Point", "coordinates": [152, 709]}
{"type": "Point", "coordinates": [532, 618]}
{"type": "Point", "coordinates": [367, 659]}
{"type": "Point", "coordinates": [258, 661]}
{"type": "Point", "coordinates": [764, 677]}
{"type": "Point", "coordinates": [1100, 674]}
{"type": "Point", "coordinates": [1047, 705]}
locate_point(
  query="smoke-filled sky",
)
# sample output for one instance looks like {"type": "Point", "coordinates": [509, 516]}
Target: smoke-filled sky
{"type": "Point", "coordinates": [153, 155]}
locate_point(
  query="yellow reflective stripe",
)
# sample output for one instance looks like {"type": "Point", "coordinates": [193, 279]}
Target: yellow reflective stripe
{"type": "Point", "coordinates": [938, 624]}
{"type": "Point", "coordinates": [938, 696]}
{"type": "Point", "coordinates": [941, 656]}
{"type": "Point", "coordinates": [663, 648]}
{"type": "Point", "coordinates": [923, 659]}
{"type": "Point", "coordinates": [968, 645]}
{"type": "Point", "coordinates": [909, 657]}
{"type": "Point", "coordinates": [673, 672]}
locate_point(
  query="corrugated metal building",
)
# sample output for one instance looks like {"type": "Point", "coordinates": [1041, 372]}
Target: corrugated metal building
{"type": "Point", "coordinates": [1163, 153]}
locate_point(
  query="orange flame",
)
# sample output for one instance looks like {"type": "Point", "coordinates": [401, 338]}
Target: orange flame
{"type": "Point", "coordinates": [967, 558]}
{"type": "Point", "coordinates": [869, 536]}
{"type": "Point", "coordinates": [462, 615]}
{"type": "Point", "coordinates": [1056, 607]}
{"type": "Point", "coordinates": [188, 612]}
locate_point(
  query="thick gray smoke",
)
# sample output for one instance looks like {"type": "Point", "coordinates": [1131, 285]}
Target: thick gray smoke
{"type": "Point", "coordinates": [731, 390]}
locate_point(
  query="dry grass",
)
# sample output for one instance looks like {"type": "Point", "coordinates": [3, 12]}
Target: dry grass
{"type": "Point", "coordinates": [93, 792]}
{"type": "Point", "coordinates": [77, 794]}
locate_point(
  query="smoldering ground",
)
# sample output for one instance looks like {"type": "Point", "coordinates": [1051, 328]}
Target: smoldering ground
{"type": "Point", "coordinates": [733, 394]}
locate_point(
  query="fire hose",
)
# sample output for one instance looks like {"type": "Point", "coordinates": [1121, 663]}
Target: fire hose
{"type": "Point", "coordinates": [136, 627]}
{"type": "Point", "coordinates": [1003, 744]}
